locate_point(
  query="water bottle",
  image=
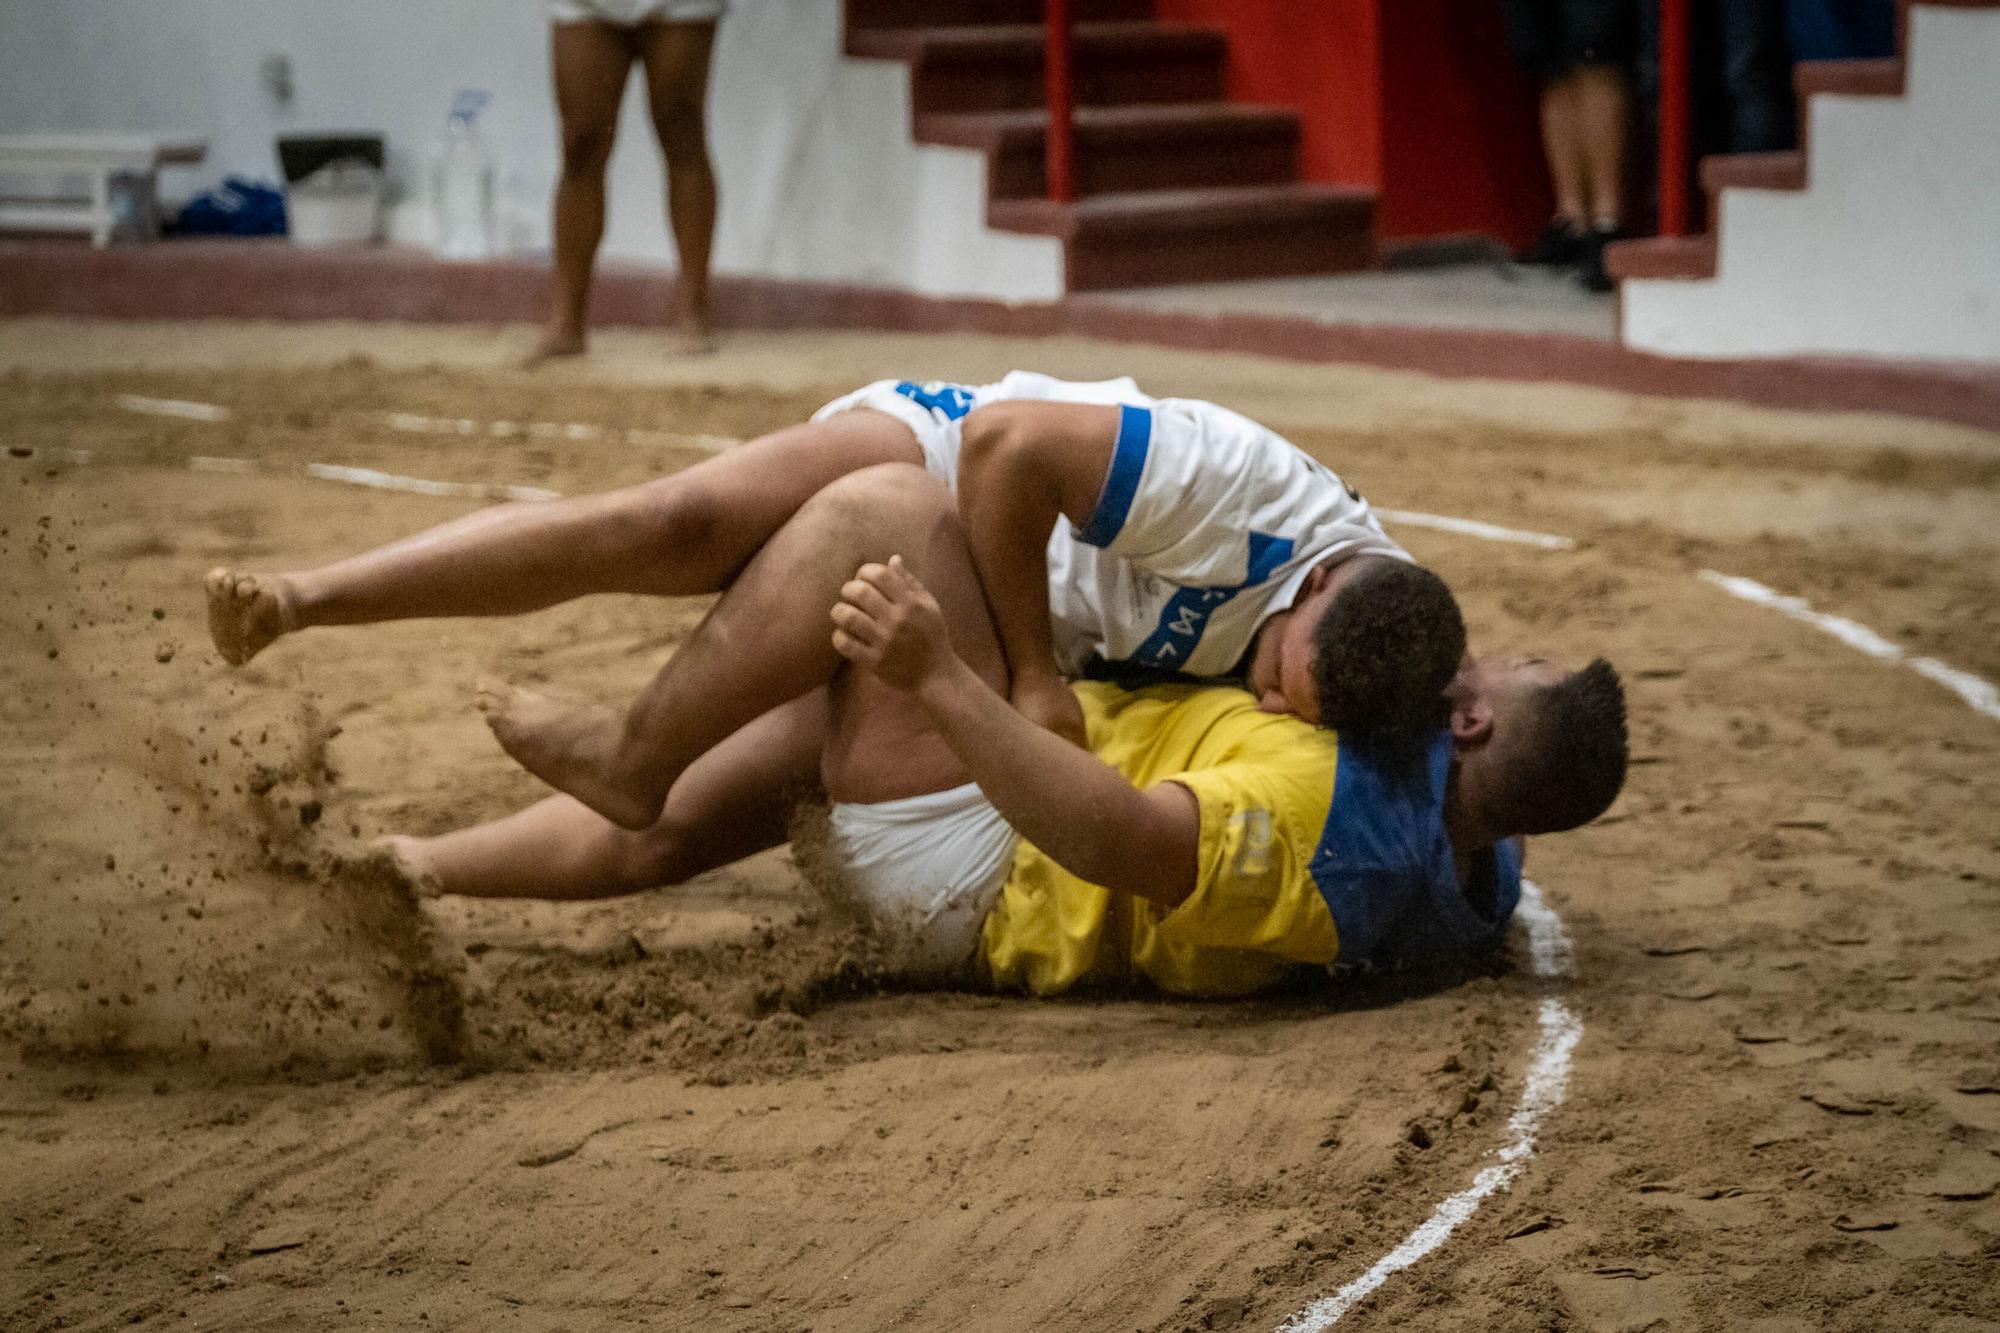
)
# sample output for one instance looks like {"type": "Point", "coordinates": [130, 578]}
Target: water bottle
{"type": "Point", "coordinates": [464, 183]}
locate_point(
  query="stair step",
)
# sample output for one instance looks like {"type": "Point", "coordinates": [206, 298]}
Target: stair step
{"type": "Point", "coordinates": [1172, 236]}
{"type": "Point", "coordinates": [1754, 171]}
{"type": "Point", "coordinates": [1662, 257]}
{"type": "Point", "coordinates": [1121, 149]}
{"type": "Point", "coordinates": [932, 14]}
{"type": "Point", "coordinates": [996, 66]}
{"type": "Point", "coordinates": [1851, 78]}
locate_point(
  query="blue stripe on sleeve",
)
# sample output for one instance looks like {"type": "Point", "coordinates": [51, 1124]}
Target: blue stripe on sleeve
{"type": "Point", "coordinates": [1128, 461]}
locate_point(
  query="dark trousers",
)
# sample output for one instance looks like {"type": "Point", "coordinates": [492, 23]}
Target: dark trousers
{"type": "Point", "coordinates": [1742, 94]}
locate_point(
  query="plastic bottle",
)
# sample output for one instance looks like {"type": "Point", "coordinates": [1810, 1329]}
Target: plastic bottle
{"type": "Point", "coordinates": [463, 182]}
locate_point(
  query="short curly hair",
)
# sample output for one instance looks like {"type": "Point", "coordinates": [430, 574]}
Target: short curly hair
{"type": "Point", "coordinates": [1384, 652]}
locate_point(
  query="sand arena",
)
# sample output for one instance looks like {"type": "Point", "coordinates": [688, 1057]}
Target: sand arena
{"type": "Point", "coordinates": [701, 1108]}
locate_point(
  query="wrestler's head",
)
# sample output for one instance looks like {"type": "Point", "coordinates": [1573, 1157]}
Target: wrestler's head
{"type": "Point", "coordinates": [1366, 649]}
{"type": "Point", "coordinates": [1539, 749]}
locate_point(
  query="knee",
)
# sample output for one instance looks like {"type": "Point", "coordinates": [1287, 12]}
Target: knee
{"type": "Point", "coordinates": [671, 516]}
{"type": "Point", "coordinates": [586, 149]}
{"type": "Point", "coordinates": [683, 134]}
{"type": "Point", "coordinates": [887, 489]}
{"type": "Point", "coordinates": [657, 857]}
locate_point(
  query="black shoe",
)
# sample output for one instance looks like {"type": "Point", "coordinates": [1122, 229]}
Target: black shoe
{"type": "Point", "coordinates": [1590, 265]}
{"type": "Point", "coordinates": [1560, 245]}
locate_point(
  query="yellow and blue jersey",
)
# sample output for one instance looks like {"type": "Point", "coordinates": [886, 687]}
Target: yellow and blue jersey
{"type": "Point", "coordinates": [1308, 853]}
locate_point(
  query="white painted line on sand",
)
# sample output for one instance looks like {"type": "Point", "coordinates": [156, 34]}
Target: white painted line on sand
{"type": "Point", "coordinates": [234, 466]}
{"type": "Point", "coordinates": [418, 424]}
{"type": "Point", "coordinates": [352, 476]}
{"type": "Point", "coordinates": [714, 444]}
{"type": "Point", "coordinates": [173, 407]}
{"type": "Point", "coordinates": [389, 481]}
{"type": "Point", "coordinates": [1472, 527]}
{"type": "Point", "coordinates": [1551, 956]}
{"type": "Point", "coordinates": [1979, 695]}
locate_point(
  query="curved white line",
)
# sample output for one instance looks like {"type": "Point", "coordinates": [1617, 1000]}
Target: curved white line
{"type": "Point", "coordinates": [172, 407]}
{"type": "Point", "coordinates": [1551, 955]}
{"type": "Point", "coordinates": [1472, 527]}
{"type": "Point", "coordinates": [1979, 695]}
{"type": "Point", "coordinates": [389, 481]}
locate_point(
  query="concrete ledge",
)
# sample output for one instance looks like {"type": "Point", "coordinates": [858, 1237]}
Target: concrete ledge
{"type": "Point", "coordinates": [272, 280]}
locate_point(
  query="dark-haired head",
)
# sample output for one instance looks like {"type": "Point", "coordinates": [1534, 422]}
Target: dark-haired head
{"type": "Point", "coordinates": [1540, 749]}
{"type": "Point", "coordinates": [1389, 643]}
{"type": "Point", "coordinates": [1366, 647]}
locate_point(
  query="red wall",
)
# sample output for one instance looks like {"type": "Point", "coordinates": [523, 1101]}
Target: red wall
{"type": "Point", "coordinates": [1416, 98]}
{"type": "Point", "coordinates": [1316, 55]}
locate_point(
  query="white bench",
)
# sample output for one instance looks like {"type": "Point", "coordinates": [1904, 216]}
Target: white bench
{"type": "Point", "coordinates": [94, 157]}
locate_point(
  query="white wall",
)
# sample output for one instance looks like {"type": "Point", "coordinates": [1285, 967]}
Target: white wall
{"type": "Point", "coordinates": [819, 178]}
{"type": "Point", "coordinates": [1892, 250]}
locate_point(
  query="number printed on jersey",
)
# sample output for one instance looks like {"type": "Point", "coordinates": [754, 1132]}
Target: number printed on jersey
{"type": "Point", "coordinates": [948, 401]}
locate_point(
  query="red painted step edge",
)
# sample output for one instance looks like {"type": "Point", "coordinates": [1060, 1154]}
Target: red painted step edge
{"type": "Point", "coordinates": [1662, 257]}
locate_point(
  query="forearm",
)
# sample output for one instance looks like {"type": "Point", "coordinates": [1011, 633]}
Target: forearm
{"type": "Point", "coordinates": [1080, 811]}
{"type": "Point", "coordinates": [1009, 512]}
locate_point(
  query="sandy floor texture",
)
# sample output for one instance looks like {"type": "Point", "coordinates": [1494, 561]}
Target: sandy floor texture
{"type": "Point", "coordinates": [221, 1101]}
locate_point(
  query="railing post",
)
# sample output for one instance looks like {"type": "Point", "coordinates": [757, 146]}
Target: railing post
{"type": "Point", "coordinates": [1060, 93]}
{"type": "Point", "coordinates": [1674, 138]}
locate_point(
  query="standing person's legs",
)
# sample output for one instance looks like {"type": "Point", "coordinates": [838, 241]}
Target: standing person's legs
{"type": "Point", "coordinates": [676, 57]}
{"type": "Point", "coordinates": [767, 641]}
{"type": "Point", "coordinates": [1757, 76]}
{"type": "Point", "coordinates": [1602, 110]}
{"type": "Point", "coordinates": [1562, 144]}
{"type": "Point", "coordinates": [734, 801]}
{"type": "Point", "coordinates": [590, 60]}
{"type": "Point", "coordinates": [683, 534]}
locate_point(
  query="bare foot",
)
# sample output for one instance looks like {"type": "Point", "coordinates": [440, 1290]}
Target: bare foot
{"type": "Point", "coordinates": [571, 746]}
{"type": "Point", "coordinates": [246, 612]}
{"type": "Point", "coordinates": [552, 345]}
{"type": "Point", "coordinates": [690, 338]}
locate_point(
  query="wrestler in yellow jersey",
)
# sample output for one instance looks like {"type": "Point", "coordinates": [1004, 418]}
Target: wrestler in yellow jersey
{"type": "Point", "coordinates": [1300, 845]}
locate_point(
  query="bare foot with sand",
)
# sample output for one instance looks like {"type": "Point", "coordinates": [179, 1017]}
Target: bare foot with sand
{"type": "Point", "coordinates": [409, 855]}
{"type": "Point", "coordinates": [247, 612]}
{"type": "Point", "coordinates": [574, 747]}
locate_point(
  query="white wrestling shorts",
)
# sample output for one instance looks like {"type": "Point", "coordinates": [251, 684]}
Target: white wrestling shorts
{"type": "Point", "coordinates": [926, 870]}
{"type": "Point", "coordinates": [631, 13]}
{"type": "Point", "coordinates": [934, 421]}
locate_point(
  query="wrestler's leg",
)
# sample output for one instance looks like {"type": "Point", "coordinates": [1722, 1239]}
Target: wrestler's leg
{"type": "Point", "coordinates": [732, 802]}
{"type": "Point", "coordinates": [767, 641]}
{"type": "Point", "coordinates": [682, 534]}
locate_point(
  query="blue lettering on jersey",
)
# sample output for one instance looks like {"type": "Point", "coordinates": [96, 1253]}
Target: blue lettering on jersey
{"type": "Point", "coordinates": [1186, 613]}
{"type": "Point", "coordinates": [950, 401]}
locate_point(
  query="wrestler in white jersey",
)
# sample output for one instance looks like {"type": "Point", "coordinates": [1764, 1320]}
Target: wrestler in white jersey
{"type": "Point", "coordinates": [1159, 534]}
{"type": "Point", "coordinates": [1207, 522]}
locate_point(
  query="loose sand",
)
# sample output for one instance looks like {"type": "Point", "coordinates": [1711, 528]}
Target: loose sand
{"type": "Point", "coordinates": [697, 1109]}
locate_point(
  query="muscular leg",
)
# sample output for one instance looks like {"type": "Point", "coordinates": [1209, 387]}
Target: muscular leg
{"type": "Point", "coordinates": [1601, 114]}
{"type": "Point", "coordinates": [1562, 144]}
{"type": "Point", "coordinates": [767, 641]}
{"type": "Point", "coordinates": [734, 801]}
{"type": "Point", "coordinates": [590, 63]}
{"type": "Point", "coordinates": [684, 534]}
{"type": "Point", "coordinates": [675, 57]}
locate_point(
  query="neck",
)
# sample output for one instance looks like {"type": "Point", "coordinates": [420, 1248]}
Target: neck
{"type": "Point", "coordinates": [1468, 832]}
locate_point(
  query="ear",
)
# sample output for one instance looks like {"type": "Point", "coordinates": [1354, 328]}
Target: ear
{"type": "Point", "coordinates": [1274, 701]}
{"type": "Point", "coordinates": [1471, 721]}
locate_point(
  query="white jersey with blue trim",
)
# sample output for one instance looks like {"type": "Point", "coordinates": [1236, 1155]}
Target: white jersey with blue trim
{"type": "Point", "coordinates": [1207, 525]}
